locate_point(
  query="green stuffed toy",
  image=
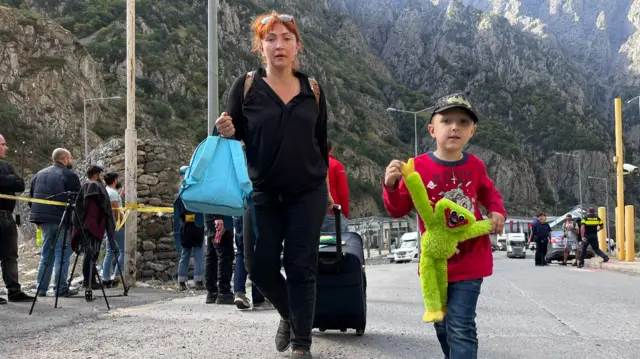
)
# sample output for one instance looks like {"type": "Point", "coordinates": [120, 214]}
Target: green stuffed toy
{"type": "Point", "coordinates": [447, 225]}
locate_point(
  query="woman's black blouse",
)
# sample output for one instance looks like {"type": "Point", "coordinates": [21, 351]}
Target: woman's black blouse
{"type": "Point", "coordinates": [286, 145]}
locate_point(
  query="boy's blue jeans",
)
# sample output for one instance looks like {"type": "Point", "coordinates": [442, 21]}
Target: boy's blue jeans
{"type": "Point", "coordinates": [198, 264]}
{"type": "Point", "coordinates": [240, 275]}
{"type": "Point", "coordinates": [107, 264]}
{"type": "Point", "coordinates": [457, 333]}
{"type": "Point", "coordinates": [54, 255]}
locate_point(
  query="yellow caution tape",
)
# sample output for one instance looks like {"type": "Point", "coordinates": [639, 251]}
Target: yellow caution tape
{"type": "Point", "coordinates": [137, 207]}
{"type": "Point", "coordinates": [33, 200]}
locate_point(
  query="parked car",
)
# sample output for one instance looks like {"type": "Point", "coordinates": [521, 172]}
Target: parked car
{"type": "Point", "coordinates": [555, 249]}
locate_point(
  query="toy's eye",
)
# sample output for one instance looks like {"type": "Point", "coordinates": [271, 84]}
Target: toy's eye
{"type": "Point", "coordinates": [454, 213]}
{"type": "Point", "coordinates": [461, 217]}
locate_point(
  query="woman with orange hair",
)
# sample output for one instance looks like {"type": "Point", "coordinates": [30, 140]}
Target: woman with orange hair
{"type": "Point", "coordinates": [281, 115]}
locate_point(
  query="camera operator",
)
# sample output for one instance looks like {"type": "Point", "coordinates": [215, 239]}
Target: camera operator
{"type": "Point", "coordinates": [94, 210]}
{"type": "Point", "coordinates": [53, 183]}
{"type": "Point", "coordinates": [10, 183]}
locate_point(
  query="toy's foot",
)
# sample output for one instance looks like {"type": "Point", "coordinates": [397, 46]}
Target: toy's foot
{"type": "Point", "coordinates": [433, 316]}
{"type": "Point", "coordinates": [408, 168]}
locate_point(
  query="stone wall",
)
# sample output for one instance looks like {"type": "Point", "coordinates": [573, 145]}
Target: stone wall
{"type": "Point", "coordinates": [158, 183]}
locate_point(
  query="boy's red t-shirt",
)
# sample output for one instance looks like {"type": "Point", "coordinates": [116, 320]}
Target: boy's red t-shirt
{"type": "Point", "coordinates": [467, 183]}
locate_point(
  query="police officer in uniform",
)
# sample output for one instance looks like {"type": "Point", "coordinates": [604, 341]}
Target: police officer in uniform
{"type": "Point", "coordinates": [10, 183]}
{"type": "Point", "coordinates": [589, 231]}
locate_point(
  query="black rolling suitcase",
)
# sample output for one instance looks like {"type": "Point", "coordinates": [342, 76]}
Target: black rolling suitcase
{"type": "Point", "coordinates": [341, 300]}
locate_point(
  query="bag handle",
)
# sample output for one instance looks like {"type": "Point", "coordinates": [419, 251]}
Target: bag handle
{"type": "Point", "coordinates": [239, 163]}
{"type": "Point", "coordinates": [209, 146]}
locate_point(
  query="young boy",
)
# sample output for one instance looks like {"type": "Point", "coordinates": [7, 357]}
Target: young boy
{"type": "Point", "coordinates": [461, 177]}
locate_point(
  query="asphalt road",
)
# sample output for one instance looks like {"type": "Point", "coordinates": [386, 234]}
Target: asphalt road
{"type": "Point", "coordinates": [524, 312]}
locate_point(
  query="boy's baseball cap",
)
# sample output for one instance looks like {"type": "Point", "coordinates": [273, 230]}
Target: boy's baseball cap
{"type": "Point", "coordinates": [452, 101]}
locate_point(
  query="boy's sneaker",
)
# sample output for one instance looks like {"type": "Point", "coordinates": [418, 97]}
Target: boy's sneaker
{"type": "Point", "coordinates": [241, 301]}
{"type": "Point", "coordinates": [183, 286]}
{"type": "Point", "coordinates": [199, 285]}
{"type": "Point", "coordinates": [605, 260]}
{"type": "Point", "coordinates": [225, 298]}
{"type": "Point", "coordinates": [283, 336]}
{"type": "Point", "coordinates": [3, 301]}
{"type": "Point", "coordinates": [300, 354]}
{"type": "Point", "coordinates": [211, 297]}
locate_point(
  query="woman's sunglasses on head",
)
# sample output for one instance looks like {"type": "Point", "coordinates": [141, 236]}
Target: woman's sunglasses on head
{"type": "Point", "coordinates": [282, 17]}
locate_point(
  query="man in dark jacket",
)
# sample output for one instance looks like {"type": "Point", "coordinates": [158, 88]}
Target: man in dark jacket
{"type": "Point", "coordinates": [10, 183]}
{"type": "Point", "coordinates": [57, 183]}
{"type": "Point", "coordinates": [219, 259]}
{"type": "Point", "coordinates": [93, 208]}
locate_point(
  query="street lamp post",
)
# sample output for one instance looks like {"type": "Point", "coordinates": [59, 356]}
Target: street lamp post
{"type": "Point", "coordinates": [22, 158]}
{"type": "Point", "coordinates": [637, 97]}
{"type": "Point", "coordinates": [579, 175]}
{"type": "Point", "coordinates": [415, 130]}
{"type": "Point", "coordinates": [606, 204]}
{"type": "Point", "coordinates": [84, 113]}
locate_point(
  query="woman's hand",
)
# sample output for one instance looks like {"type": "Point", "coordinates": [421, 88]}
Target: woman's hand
{"type": "Point", "coordinates": [224, 124]}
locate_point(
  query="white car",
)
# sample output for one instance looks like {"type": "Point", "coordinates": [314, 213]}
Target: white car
{"type": "Point", "coordinates": [407, 252]}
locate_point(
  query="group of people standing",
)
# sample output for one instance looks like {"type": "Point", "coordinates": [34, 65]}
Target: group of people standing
{"type": "Point", "coordinates": [577, 236]}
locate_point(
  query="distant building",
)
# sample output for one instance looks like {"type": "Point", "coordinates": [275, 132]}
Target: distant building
{"type": "Point", "coordinates": [381, 231]}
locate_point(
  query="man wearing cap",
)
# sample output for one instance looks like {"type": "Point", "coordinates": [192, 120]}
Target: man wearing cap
{"type": "Point", "coordinates": [10, 183]}
{"type": "Point", "coordinates": [589, 229]}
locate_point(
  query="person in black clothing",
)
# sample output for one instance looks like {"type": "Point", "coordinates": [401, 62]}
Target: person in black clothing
{"type": "Point", "coordinates": [218, 265]}
{"type": "Point", "coordinates": [93, 208]}
{"type": "Point", "coordinates": [282, 119]}
{"type": "Point", "coordinates": [10, 183]}
{"type": "Point", "coordinates": [541, 233]}
{"type": "Point", "coordinates": [589, 229]}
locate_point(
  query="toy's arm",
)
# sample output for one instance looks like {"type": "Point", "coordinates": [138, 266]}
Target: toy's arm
{"type": "Point", "coordinates": [418, 191]}
{"type": "Point", "coordinates": [477, 229]}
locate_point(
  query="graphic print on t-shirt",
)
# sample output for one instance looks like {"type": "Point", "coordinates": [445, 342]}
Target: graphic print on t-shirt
{"type": "Point", "coordinates": [458, 196]}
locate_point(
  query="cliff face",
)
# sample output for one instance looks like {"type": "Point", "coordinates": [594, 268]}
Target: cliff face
{"type": "Point", "coordinates": [45, 74]}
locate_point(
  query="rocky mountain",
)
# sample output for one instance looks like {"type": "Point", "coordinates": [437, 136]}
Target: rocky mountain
{"type": "Point", "coordinates": [535, 96]}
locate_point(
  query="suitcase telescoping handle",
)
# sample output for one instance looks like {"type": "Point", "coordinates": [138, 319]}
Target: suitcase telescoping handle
{"type": "Point", "coordinates": [337, 209]}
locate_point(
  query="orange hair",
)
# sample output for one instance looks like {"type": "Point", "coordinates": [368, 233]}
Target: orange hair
{"type": "Point", "coordinates": [260, 31]}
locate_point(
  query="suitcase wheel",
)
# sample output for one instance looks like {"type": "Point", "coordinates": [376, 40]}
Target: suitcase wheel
{"type": "Point", "coordinates": [322, 330]}
{"type": "Point", "coordinates": [360, 332]}
{"type": "Point", "coordinates": [343, 330]}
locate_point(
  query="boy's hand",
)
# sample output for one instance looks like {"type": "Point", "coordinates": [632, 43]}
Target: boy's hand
{"type": "Point", "coordinates": [497, 222]}
{"type": "Point", "coordinates": [393, 173]}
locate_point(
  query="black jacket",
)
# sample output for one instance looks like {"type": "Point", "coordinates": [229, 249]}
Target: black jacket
{"type": "Point", "coordinates": [94, 192]}
{"type": "Point", "coordinates": [10, 183]}
{"type": "Point", "coordinates": [51, 183]}
{"type": "Point", "coordinates": [286, 145]}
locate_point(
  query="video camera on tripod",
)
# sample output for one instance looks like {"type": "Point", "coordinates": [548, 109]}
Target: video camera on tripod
{"type": "Point", "coordinates": [88, 245]}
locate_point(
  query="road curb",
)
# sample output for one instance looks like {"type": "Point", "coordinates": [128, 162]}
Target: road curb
{"type": "Point", "coordinates": [630, 268]}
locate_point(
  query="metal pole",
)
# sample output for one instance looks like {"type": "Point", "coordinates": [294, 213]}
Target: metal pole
{"type": "Point", "coordinates": [212, 66]}
{"type": "Point", "coordinates": [84, 114]}
{"type": "Point", "coordinates": [580, 184]}
{"type": "Point", "coordinates": [619, 161]}
{"type": "Point", "coordinates": [415, 130]}
{"type": "Point", "coordinates": [22, 160]}
{"type": "Point", "coordinates": [131, 150]}
{"type": "Point", "coordinates": [606, 204]}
